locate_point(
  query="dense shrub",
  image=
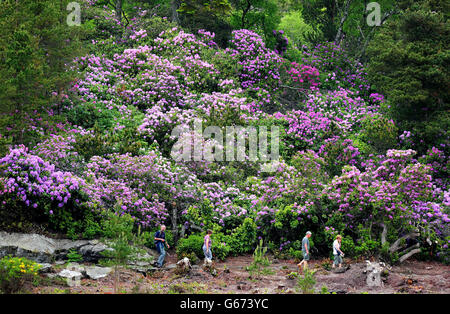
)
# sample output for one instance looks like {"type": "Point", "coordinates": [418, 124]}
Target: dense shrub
{"type": "Point", "coordinates": [337, 69]}
{"type": "Point", "coordinates": [259, 64]}
{"type": "Point", "coordinates": [191, 244]}
{"type": "Point", "coordinates": [49, 194]}
{"type": "Point", "coordinates": [379, 132]}
{"type": "Point", "coordinates": [14, 272]}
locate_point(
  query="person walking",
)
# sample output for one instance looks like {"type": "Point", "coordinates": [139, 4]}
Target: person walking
{"type": "Point", "coordinates": [337, 252]}
{"type": "Point", "coordinates": [160, 242]}
{"type": "Point", "coordinates": [305, 250]}
{"type": "Point", "coordinates": [207, 246]}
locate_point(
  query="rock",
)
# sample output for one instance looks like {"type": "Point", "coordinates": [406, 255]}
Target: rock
{"type": "Point", "coordinates": [95, 272]}
{"type": "Point", "coordinates": [142, 260]}
{"type": "Point", "coordinates": [66, 273]}
{"type": "Point", "coordinates": [144, 270]}
{"type": "Point", "coordinates": [63, 246]}
{"type": "Point", "coordinates": [42, 249]}
{"type": "Point", "coordinates": [45, 268]}
{"type": "Point", "coordinates": [152, 253]}
{"type": "Point", "coordinates": [92, 252]}
{"type": "Point", "coordinates": [32, 246]}
{"type": "Point", "coordinates": [73, 277]}
{"type": "Point", "coordinates": [75, 267]}
{"type": "Point", "coordinates": [170, 266]}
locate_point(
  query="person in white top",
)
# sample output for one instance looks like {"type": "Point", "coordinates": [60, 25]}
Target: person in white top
{"type": "Point", "coordinates": [337, 252]}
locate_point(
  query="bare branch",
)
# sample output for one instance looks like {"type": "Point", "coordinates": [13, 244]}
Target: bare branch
{"type": "Point", "coordinates": [410, 253]}
{"type": "Point", "coordinates": [397, 244]}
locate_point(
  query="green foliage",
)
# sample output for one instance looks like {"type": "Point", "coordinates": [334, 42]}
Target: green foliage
{"type": "Point", "coordinates": [36, 45]}
{"type": "Point", "coordinates": [262, 16]}
{"type": "Point", "coordinates": [191, 244]}
{"type": "Point", "coordinates": [296, 254]}
{"type": "Point", "coordinates": [76, 220]}
{"type": "Point", "coordinates": [324, 290]}
{"type": "Point", "coordinates": [260, 264]}
{"type": "Point", "coordinates": [379, 132]}
{"type": "Point", "coordinates": [365, 245]}
{"type": "Point", "coordinates": [211, 15]}
{"type": "Point", "coordinates": [119, 236]}
{"type": "Point", "coordinates": [243, 238]}
{"type": "Point", "coordinates": [306, 282]}
{"type": "Point", "coordinates": [286, 220]}
{"type": "Point", "coordinates": [74, 256]}
{"type": "Point", "coordinates": [202, 214]}
{"type": "Point", "coordinates": [409, 63]}
{"type": "Point", "coordinates": [297, 30]}
{"type": "Point", "coordinates": [14, 271]}
{"type": "Point", "coordinates": [348, 246]}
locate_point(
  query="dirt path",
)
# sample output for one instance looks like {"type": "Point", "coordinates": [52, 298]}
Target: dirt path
{"type": "Point", "coordinates": [232, 277]}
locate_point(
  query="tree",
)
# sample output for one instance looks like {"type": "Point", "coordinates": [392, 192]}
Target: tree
{"type": "Point", "coordinates": [36, 44]}
{"type": "Point", "coordinates": [345, 21]}
{"type": "Point", "coordinates": [409, 63]}
{"type": "Point", "coordinates": [297, 30]}
{"type": "Point", "coordinates": [118, 232]}
{"type": "Point", "coordinates": [210, 15]}
{"type": "Point", "coordinates": [261, 16]}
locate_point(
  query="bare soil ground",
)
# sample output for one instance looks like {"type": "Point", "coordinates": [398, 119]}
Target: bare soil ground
{"type": "Point", "coordinates": [232, 277]}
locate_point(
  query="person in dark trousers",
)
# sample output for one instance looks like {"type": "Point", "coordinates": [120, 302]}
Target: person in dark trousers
{"type": "Point", "coordinates": [160, 242]}
{"type": "Point", "coordinates": [305, 250]}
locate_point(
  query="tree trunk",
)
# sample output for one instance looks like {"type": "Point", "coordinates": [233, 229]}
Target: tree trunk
{"type": "Point", "coordinates": [175, 4]}
{"type": "Point", "coordinates": [383, 235]}
{"type": "Point", "coordinates": [344, 14]}
{"type": "Point", "coordinates": [244, 13]}
{"type": "Point", "coordinates": [174, 222]}
{"type": "Point", "coordinates": [119, 10]}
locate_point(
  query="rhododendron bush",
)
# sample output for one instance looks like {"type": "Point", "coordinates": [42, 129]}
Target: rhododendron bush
{"type": "Point", "coordinates": [344, 167]}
